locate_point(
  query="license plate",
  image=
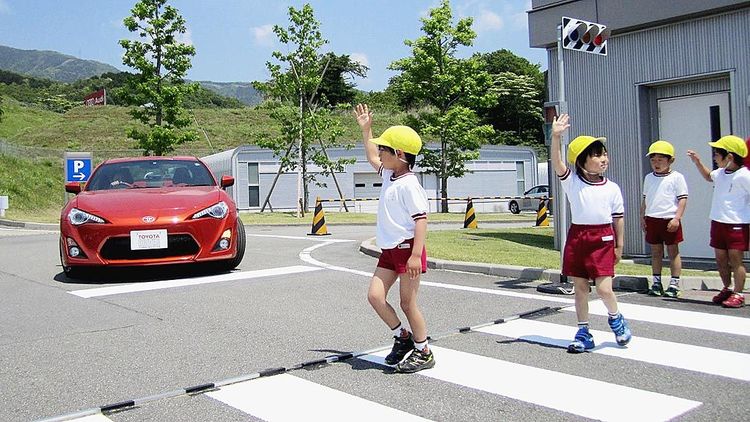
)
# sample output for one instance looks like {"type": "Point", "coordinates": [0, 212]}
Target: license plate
{"type": "Point", "coordinates": [148, 239]}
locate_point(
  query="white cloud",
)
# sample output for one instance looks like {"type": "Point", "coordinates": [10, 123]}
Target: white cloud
{"type": "Point", "coordinates": [263, 35]}
{"type": "Point", "coordinates": [488, 21]}
{"type": "Point", "coordinates": [4, 8]}
{"type": "Point", "coordinates": [186, 38]}
{"type": "Point", "coordinates": [360, 58]}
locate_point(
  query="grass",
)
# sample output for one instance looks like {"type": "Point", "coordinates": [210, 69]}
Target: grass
{"type": "Point", "coordinates": [282, 218]}
{"type": "Point", "coordinates": [526, 247]}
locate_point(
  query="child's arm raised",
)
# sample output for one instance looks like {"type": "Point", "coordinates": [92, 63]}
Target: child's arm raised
{"type": "Point", "coordinates": [364, 119]}
{"type": "Point", "coordinates": [702, 169]}
{"type": "Point", "coordinates": [559, 125]}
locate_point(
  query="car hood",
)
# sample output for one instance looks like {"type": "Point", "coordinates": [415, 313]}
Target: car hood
{"type": "Point", "coordinates": [156, 202]}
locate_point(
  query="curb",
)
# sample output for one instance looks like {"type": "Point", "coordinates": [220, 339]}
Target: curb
{"type": "Point", "coordinates": [620, 282]}
{"type": "Point", "coordinates": [29, 225]}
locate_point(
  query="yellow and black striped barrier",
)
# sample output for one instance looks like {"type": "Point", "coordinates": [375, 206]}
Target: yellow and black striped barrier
{"type": "Point", "coordinates": [542, 216]}
{"type": "Point", "coordinates": [319, 220]}
{"type": "Point", "coordinates": [470, 219]}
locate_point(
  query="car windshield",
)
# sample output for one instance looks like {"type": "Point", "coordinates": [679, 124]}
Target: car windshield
{"type": "Point", "coordinates": [150, 174]}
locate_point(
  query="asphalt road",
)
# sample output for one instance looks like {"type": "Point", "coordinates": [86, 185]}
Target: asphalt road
{"type": "Point", "coordinates": [69, 345]}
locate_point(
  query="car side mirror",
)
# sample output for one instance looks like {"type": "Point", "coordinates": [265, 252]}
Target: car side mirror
{"type": "Point", "coordinates": [73, 187]}
{"type": "Point", "coordinates": [226, 181]}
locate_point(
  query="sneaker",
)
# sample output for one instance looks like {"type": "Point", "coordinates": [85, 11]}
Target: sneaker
{"type": "Point", "coordinates": [656, 290]}
{"type": "Point", "coordinates": [736, 300]}
{"type": "Point", "coordinates": [583, 341]}
{"type": "Point", "coordinates": [722, 296]}
{"type": "Point", "coordinates": [672, 291]}
{"type": "Point", "coordinates": [620, 327]}
{"type": "Point", "coordinates": [401, 347]}
{"type": "Point", "coordinates": [417, 361]}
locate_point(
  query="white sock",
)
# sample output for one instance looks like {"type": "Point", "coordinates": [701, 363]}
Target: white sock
{"type": "Point", "coordinates": [421, 345]}
{"type": "Point", "coordinates": [657, 278]}
{"type": "Point", "coordinates": [674, 281]}
{"type": "Point", "coordinates": [399, 331]}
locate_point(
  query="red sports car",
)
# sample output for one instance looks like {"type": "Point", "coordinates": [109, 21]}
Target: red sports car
{"type": "Point", "coordinates": [150, 211]}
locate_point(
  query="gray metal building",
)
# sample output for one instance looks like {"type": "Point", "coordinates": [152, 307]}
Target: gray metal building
{"type": "Point", "coordinates": [499, 171]}
{"type": "Point", "coordinates": [674, 70]}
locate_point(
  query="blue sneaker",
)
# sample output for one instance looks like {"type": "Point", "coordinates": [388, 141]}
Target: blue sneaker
{"type": "Point", "coordinates": [620, 327]}
{"type": "Point", "coordinates": [583, 341]}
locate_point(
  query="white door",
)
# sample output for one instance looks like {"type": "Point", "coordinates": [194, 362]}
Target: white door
{"type": "Point", "coordinates": [690, 123]}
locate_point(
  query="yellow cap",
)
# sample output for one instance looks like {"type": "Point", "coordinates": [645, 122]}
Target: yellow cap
{"type": "Point", "coordinates": [577, 145]}
{"type": "Point", "coordinates": [403, 138]}
{"type": "Point", "coordinates": [661, 147]}
{"type": "Point", "coordinates": [732, 144]}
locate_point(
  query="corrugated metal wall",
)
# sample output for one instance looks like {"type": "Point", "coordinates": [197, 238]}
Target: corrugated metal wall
{"type": "Point", "coordinates": [602, 92]}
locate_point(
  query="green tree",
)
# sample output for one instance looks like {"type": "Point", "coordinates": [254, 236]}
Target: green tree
{"type": "Point", "coordinates": [1, 108]}
{"type": "Point", "coordinates": [158, 87]}
{"type": "Point", "coordinates": [337, 87]}
{"type": "Point", "coordinates": [294, 98]}
{"type": "Point", "coordinates": [449, 87]}
{"type": "Point", "coordinates": [516, 115]}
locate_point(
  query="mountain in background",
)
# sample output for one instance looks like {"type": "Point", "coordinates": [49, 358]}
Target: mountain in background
{"type": "Point", "coordinates": [50, 65]}
{"type": "Point", "coordinates": [242, 91]}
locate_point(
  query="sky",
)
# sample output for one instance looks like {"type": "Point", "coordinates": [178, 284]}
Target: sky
{"type": "Point", "coordinates": [234, 38]}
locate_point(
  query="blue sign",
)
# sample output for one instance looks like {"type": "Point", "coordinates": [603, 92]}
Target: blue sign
{"type": "Point", "coordinates": [77, 169]}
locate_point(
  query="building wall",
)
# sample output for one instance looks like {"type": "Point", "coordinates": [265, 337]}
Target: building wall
{"type": "Point", "coordinates": [612, 95]}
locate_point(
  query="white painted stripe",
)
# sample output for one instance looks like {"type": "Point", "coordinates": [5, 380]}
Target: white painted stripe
{"type": "Point", "coordinates": [313, 238]}
{"type": "Point", "coordinates": [93, 418]}
{"type": "Point", "coordinates": [168, 284]}
{"type": "Point", "coordinates": [676, 355]}
{"type": "Point", "coordinates": [305, 257]}
{"type": "Point", "coordinates": [676, 317]}
{"type": "Point", "coordinates": [268, 398]}
{"type": "Point", "coordinates": [499, 292]}
{"type": "Point", "coordinates": [551, 389]}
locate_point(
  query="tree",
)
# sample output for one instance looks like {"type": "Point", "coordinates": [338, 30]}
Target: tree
{"type": "Point", "coordinates": [517, 114]}
{"type": "Point", "coordinates": [158, 87]}
{"type": "Point", "coordinates": [1, 108]}
{"type": "Point", "coordinates": [336, 86]}
{"type": "Point", "coordinates": [449, 87]}
{"type": "Point", "coordinates": [294, 97]}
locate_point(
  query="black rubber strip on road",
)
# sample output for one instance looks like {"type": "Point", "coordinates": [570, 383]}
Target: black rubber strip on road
{"type": "Point", "coordinates": [117, 406]}
{"type": "Point", "coordinates": [200, 388]}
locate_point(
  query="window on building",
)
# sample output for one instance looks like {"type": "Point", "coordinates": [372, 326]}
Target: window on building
{"type": "Point", "coordinates": [253, 185]}
{"type": "Point", "coordinates": [520, 178]}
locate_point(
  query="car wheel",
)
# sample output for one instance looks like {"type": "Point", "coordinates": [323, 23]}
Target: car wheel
{"type": "Point", "coordinates": [233, 263]}
{"type": "Point", "coordinates": [513, 207]}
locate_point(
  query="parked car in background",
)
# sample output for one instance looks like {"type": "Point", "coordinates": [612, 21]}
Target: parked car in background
{"type": "Point", "coordinates": [150, 211]}
{"type": "Point", "coordinates": [531, 200]}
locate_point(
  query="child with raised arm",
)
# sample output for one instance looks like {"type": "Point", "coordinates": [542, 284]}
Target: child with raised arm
{"type": "Point", "coordinates": [664, 198]}
{"type": "Point", "coordinates": [401, 232]}
{"type": "Point", "coordinates": [595, 238]}
{"type": "Point", "coordinates": [730, 214]}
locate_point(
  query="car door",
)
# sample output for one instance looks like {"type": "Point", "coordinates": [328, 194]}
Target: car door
{"type": "Point", "coordinates": [527, 203]}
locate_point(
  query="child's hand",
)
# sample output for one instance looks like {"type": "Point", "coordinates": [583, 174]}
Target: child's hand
{"type": "Point", "coordinates": [673, 225]}
{"type": "Point", "coordinates": [364, 116]}
{"type": "Point", "coordinates": [414, 267]}
{"type": "Point", "coordinates": [693, 156]}
{"type": "Point", "coordinates": [618, 254]}
{"type": "Point", "coordinates": [560, 124]}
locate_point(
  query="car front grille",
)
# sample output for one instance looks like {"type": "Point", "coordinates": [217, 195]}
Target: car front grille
{"type": "Point", "coordinates": [177, 245]}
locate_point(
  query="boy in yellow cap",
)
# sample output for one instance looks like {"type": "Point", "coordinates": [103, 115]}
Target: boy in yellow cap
{"type": "Point", "coordinates": [665, 195]}
{"type": "Point", "coordinates": [730, 214]}
{"type": "Point", "coordinates": [595, 238]}
{"type": "Point", "coordinates": [401, 232]}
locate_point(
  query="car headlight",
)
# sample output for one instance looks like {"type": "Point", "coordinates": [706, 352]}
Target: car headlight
{"type": "Point", "coordinates": [78, 217]}
{"type": "Point", "coordinates": [218, 210]}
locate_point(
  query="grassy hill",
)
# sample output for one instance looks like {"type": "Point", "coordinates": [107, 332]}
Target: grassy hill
{"type": "Point", "coordinates": [50, 64]}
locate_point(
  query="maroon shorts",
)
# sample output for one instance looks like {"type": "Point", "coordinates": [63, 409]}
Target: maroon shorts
{"type": "Point", "coordinates": [729, 236]}
{"type": "Point", "coordinates": [656, 232]}
{"type": "Point", "coordinates": [395, 259]}
{"type": "Point", "coordinates": [589, 251]}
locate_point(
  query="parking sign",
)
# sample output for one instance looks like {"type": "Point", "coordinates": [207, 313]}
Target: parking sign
{"type": "Point", "coordinates": [78, 166]}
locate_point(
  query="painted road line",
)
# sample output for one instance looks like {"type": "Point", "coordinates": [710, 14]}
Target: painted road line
{"type": "Point", "coordinates": [268, 398]}
{"type": "Point", "coordinates": [723, 363]}
{"type": "Point", "coordinates": [548, 388]}
{"type": "Point", "coordinates": [326, 240]}
{"type": "Point", "coordinates": [678, 318]}
{"type": "Point", "coordinates": [168, 284]}
{"type": "Point", "coordinates": [92, 418]}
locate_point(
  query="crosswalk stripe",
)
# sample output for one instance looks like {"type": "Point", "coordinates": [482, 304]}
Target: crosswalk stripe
{"type": "Point", "coordinates": [167, 284]}
{"type": "Point", "coordinates": [550, 389]}
{"type": "Point", "coordinates": [92, 418]}
{"type": "Point", "coordinates": [676, 355]}
{"type": "Point", "coordinates": [676, 317]}
{"type": "Point", "coordinates": [268, 399]}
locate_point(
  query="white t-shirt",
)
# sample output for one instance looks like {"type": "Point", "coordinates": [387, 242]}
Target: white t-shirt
{"type": "Point", "coordinates": [662, 192]}
{"type": "Point", "coordinates": [402, 202]}
{"type": "Point", "coordinates": [731, 200]}
{"type": "Point", "coordinates": [592, 203]}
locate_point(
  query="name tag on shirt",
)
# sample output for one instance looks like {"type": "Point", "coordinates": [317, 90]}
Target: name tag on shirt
{"type": "Point", "coordinates": [607, 238]}
{"type": "Point", "coordinates": [404, 246]}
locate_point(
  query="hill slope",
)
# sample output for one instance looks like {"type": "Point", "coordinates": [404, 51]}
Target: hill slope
{"type": "Point", "coordinates": [50, 64]}
{"type": "Point", "coordinates": [242, 91]}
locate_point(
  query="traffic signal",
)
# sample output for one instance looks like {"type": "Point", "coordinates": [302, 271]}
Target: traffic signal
{"type": "Point", "coordinates": [584, 36]}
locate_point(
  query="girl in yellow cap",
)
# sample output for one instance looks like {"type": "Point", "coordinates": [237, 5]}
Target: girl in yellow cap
{"type": "Point", "coordinates": [730, 214]}
{"type": "Point", "coordinates": [401, 232]}
{"type": "Point", "coordinates": [665, 194]}
{"type": "Point", "coordinates": [595, 238]}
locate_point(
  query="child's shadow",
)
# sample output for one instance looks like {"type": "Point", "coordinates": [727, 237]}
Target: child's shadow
{"type": "Point", "coordinates": [557, 343]}
{"type": "Point", "coordinates": [357, 361]}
